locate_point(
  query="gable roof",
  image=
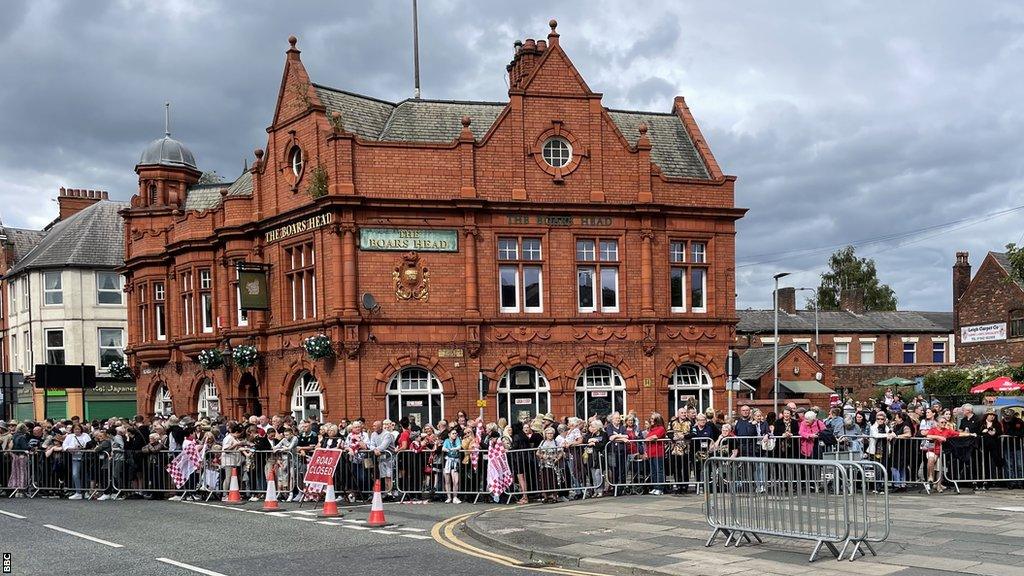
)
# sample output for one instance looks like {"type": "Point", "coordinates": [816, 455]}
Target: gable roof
{"type": "Point", "coordinates": [1004, 262]}
{"type": "Point", "coordinates": [92, 238]}
{"type": "Point", "coordinates": [755, 362]}
{"type": "Point", "coordinates": [21, 240]}
{"type": "Point", "coordinates": [206, 196]}
{"type": "Point", "coordinates": [439, 121]}
{"type": "Point", "coordinates": [900, 321]}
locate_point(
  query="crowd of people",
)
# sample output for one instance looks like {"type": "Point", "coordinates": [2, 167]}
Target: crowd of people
{"type": "Point", "coordinates": [542, 458]}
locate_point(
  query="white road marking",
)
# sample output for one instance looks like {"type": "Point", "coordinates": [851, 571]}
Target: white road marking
{"type": "Point", "coordinates": [353, 521]}
{"type": "Point", "coordinates": [85, 536]}
{"type": "Point", "coordinates": [303, 519]}
{"type": "Point", "coordinates": [351, 527]}
{"type": "Point", "coordinates": [303, 512]}
{"type": "Point", "coordinates": [189, 567]}
{"type": "Point", "coordinates": [415, 536]}
{"type": "Point", "coordinates": [12, 515]}
{"type": "Point", "coordinates": [278, 514]}
{"type": "Point", "coordinates": [388, 532]}
{"type": "Point", "coordinates": [326, 523]}
{"type": "Point", "coordinates": [406, 529]}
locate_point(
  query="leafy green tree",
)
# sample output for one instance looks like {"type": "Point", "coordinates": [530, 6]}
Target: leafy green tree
{"type": "Point", "coordinates": [846, 270]}
{"type": "Point", "coordinates": [1016, 256]}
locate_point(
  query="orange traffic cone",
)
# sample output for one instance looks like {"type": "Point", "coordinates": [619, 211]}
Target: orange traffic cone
{"type": "Point", "coordinates": [330, 504]}
{"type": "Point", "coordinates": [270, 503]}
{"type": "Point", "coordinates": [234, 496]}
{"type": "Point", "coordinates": [376, 519]}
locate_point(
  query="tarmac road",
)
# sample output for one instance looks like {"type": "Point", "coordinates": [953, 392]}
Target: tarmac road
{"type": "Point", "coordinates": [184, 538]}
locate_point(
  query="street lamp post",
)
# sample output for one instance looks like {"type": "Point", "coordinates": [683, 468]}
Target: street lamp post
{"type": "Point", "coordinates": [775, 343]}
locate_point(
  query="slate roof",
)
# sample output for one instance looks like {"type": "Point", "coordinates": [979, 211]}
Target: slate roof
{"type": "Point", "coordinates": [1004, 261]}
{"type": "Point", "coordinates": [440, 121]}
{"type": "Point", "coordinates": [902, 321]}
{"type": "Point", "coordinates": [22, 240]}
{"type": "Point", "coordinates": [755, 362]}
{"type": "Point", "coordinates": [206, 196]}
{"type": "Point", "coordinates": [92, 238]}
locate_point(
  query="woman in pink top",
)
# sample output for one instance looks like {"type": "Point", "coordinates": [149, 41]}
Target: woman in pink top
{"type": "Point", "coordinates": [810, 427]}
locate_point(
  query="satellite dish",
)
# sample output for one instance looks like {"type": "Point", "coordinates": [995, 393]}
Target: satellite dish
{"type": "Point", "coordinates": [370, 303]}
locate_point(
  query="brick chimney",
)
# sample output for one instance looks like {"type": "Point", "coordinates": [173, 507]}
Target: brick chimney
{"type": "Point", "coordinates": [74, 200]}
{"type": "Point", "coordinates": [961, 276]}
{"type": "Point", "coordinates": [852, 300]}
{"type": "Point", "coordinates": [787, 300]}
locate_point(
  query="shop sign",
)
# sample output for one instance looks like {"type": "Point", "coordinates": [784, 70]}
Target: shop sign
{"type": "Point", "coordinates": [311, 223]}
{"type": "Point", "coordinates": [599, 394]}
{"type": "Point", "coordinates": [414, 403]}
{"type": "Point", "coordinates": [983, 333]}
{"type": "Point", "coordinates": [408, 239]}
{"type": "Point", "coordinates": [523, 401]}
{"type": "Point", "coordinates": [113, 389]}
{"type": "Point", "coordinates": [560, 221]}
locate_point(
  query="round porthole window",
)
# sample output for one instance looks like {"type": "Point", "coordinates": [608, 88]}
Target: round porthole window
{"type": "Point", "coordinates": [557, 152]}
{"type": "Point", "coordinates": [295, 158]}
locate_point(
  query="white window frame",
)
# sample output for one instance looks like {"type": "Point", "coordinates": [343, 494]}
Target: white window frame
{"type": "Point", "coordinates": [12, 288]}
{"type": "Point", "coordinates": [62, 348]}
{"type": "Point", "coordinates": [864, 345]}
{"type": "Point", "coordinates": [502, 307]}
{"type": "Point", "coordinates": [585, 383]}
{"type": "Point", "coordinates": [945, 351]}
{"type": "Point", "coordinates": [691, 378]}
{"type": "Point", "coordinates": [594, 281]}
{"type": "Point", "coordinates": [101, 347]}
{"type": "Point", "coordinates": [428, 385]}
{"type": "Point", "coordinates": [58, 291]}
{"type": "Point", "coordinates": [206, 311]}
{"type": "Point", "coordinates": [15, 365]}
{"type": "Point", "coordinates": [160, 310]}
{"type": "Point", "coordinates": [100, 291]}
{"type": "Point", "coordinates": [912, 350]}
{"type": "Point", "coordinates": [541, 388]}
{"type": "Point", "coordinates": [677, 263]}
{"type": "Point", "coordinates": [162, 405]}
{"type": "Point", "coordinates": [306, 386]}
{"type": "Point", "coordinates": [547, 150]}
{"type": "Point", "coordinates": [26, 348]}
{"type": "Point", "coordinates": [846, 353]}
{"type": "Point", "coordinates": [296, 160]}
{"type": "Point", "coordinates": [703, 291]}
{"type": "Point", "coordinates": [600, 290]}
{"type": "Point", "coordinates": [24, 292]}
{"type": "Point", "coordinates": [207, 395]}
{"type": "Point", "coordinates": [540, 288]}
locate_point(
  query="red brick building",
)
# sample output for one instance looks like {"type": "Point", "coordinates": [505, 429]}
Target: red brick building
{"type": "Point", "coordinates": [581, 258]}
{"type": "Point", "coordinates": [855, 347]}
{"type": "Point", "coordinates": [988, 311]}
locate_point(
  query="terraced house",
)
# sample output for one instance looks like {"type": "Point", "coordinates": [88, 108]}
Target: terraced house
{"type": "Point", "coordinates": [576, 259]}
{"type": "Point", "coordinates": [64, 303]}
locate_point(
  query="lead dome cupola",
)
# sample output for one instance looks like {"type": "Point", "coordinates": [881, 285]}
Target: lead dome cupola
{"type": "Point", "coordinates": [167, 151]}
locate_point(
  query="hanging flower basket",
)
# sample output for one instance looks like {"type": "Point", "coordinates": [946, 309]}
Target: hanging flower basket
{"type": "Point", "coordinates": [244, 355]}
{"type": "Point", "coordinates": [118, 369]}
{"type": "Point", "coordinates": [318, 347]}
{"type": "Point", "coordinates": [210, 359]}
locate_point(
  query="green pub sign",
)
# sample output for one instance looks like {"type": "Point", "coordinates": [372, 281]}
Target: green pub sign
{"type": "Point", "coordinates": [406, 239]}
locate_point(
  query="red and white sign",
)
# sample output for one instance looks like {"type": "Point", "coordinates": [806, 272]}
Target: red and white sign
{"type": "Point", "coordinates": [524, 401]}
{"type": "Point", "coordinates": [320, 470]}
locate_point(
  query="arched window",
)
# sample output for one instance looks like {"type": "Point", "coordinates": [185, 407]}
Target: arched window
{"type": "Point", "coordinates": [415, 393]}
{"type": "Point", "coordinates": [295, 160]}
{"type": "Point", "coordinates": [307, 398]}
{"type": "Point", "coordinates": [690, 385]}
{"type": "Point", "coordinates": [600, 390]}
{"type": "Point", "coordinates": [208, 405]}
{"type": "Point", "coordinates": [523, 392]}
{"type": "Point", "coordinates": [162, 402]}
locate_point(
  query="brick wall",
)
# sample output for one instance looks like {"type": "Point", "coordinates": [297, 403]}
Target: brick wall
{"type": "Point", "coordinates": [989, 298]}
{"type": "Point", "coordinates": [483, 190]}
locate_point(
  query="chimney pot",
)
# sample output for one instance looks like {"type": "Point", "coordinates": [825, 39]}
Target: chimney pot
{"type": "Point", "coordinates": [852, 300]}
{"type": "Point", "coordinates": [542, 45]}
{"type": "Point", "coordinates": [787, 300]}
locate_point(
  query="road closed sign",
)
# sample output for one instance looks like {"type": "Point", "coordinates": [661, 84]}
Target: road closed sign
{"type": "Point", "coordinates": [320, 470]}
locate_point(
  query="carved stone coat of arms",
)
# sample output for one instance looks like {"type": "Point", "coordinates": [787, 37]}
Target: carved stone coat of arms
{"type": "Point", "coordinates": [412, 280]}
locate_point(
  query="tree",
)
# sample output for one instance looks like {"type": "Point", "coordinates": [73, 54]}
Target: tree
{"type": "Point", "coordinates": [210, 177]}
{"type": "Point", "coordinates": [848, 271]}
{"type": "Point", "coordinates": [1016, 256]}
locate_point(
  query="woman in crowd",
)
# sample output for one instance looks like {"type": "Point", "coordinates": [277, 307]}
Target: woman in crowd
{"type": "Point", "coordinates": [452, 447]}
{"type": "Point", "coordinates": [622, 445]}
{"type": "Point", "coordinates": [655, 446]}
{"type": "Point", "coordinates": [939, 434]}
{"type": "Point", "coordinates": [284, 449]}
{"type": "Point", "coordinates": [702, 435]}
{"type": "Point", "coordinates": [810, 428]}
{"type": "Point", "coordinates": [901, 451]}
{"type": "Point", "coordinates": [594, 442]}
{"type": "Point", "coordinates": [929, 447]}
{"type": "Point", "coordinates": [76, 444]}
{"type": "Point", "coordinates": [549, 456]}
{"type": "Point", "coordinates": [19, 478]}
{"type": "Point", "coordinates": [991, 450]}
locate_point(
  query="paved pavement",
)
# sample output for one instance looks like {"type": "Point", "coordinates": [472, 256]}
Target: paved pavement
{"type": "Point", "coordinates": [937, 535]}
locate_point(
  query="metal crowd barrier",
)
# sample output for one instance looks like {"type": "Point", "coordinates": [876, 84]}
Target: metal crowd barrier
{"type": "Point", "coordinates": [983, 461]}
{"type": "Point", "coordinates": [818, 500]}
{"type": "Point", "coordinates": [15, 472]}
{"type": "Point", "coordinates": [61, 473]}
{"type": "Point", "coordinates": [353, 477]}
{"type": "Point", "coordinates": [636, 466]}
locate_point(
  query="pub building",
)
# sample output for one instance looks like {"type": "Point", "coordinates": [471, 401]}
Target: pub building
{"type": "Point", "coordinates": [576, 258]}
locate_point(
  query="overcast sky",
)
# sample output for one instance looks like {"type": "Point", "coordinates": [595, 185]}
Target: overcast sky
{"type": "Point", "coordinates": [844, 121]}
